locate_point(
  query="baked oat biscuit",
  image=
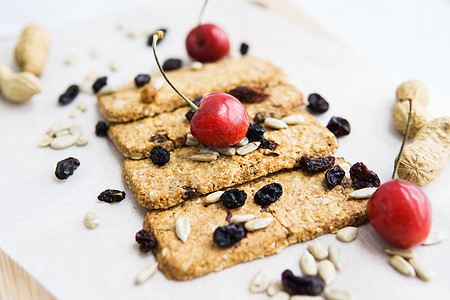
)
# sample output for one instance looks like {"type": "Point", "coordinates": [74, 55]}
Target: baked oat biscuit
{"type": "Point", "coordinates": [137, 139]}
{"type": "Point", "coordinates": [306, 209]}
{"type": "Point", "coordinates": [128, 104]}
{"type": "Point", "coordinates": [182, 178]}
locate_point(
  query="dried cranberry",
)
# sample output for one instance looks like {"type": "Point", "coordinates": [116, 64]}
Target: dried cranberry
{"type": "Point", "coordinates": [99, 83]}
{"type": "Point", "coordinates": [191, 112]}
{"type": "Point", "coordinates": [255, 132]}
{"type": "Point", "coordinates": [172, 64]}
{"type": "Point", "coordinates": [159, 156]}
{"type": "Point", "coordinates": [101, 128]}
{"type": "Point", "coordinates": [268, 194]}
{"type": "Point", "coordinates": [317, 103]}
{"type": "Point", "coordinates": [65, 167]}
{"type": "Point", "coordinates": [334, 176]}
{"type": "Point", "coordinates": [339, 126]}
{"type": "Point", "coordinates": [316, 165]}
{"type": "Point", "coordinates": [362, 177]}
{"type": "Point", "coordinates": [268, 144]}
{"type": "Point", "coordinates": [227, 236]}
{"type": "Point", "coordinates": [247, 94]}
{"type": "Point", "coordinates": [306, 285]}
{"type": "Point", "coordinates": [141, 79]}
{"type": "Point", "coordinates": [111, 196]}
{"type": "Point", "coordinates": [233, 198]}
{"type": "Point", "coordinates": [145, 240]}
{"type": "Point", "coordinates": [70, 94]}
{"type": "Point", "coordinates": [243, 49]}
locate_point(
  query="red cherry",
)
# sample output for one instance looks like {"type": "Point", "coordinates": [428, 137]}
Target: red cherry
{"type": "Point", "coordinates": [207, 42]}
{"type": "Point", "coordinates": [221, 120]}
{"type": "Point", "coordinates": [400, 212]}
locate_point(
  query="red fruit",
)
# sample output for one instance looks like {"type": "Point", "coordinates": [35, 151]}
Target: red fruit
{"type": "Point", "coordinates": [401, 213]}
{"type": "Point", "coordinates": [207, 42]}
{"type": "Point", "coordinates": [221, 120]}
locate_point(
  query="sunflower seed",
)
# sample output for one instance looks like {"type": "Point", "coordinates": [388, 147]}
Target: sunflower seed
{"type": "Point", "coordinates": [347, 234]}
{"type": "Point", "coordinates": [182, 228]}
{"type": "Point", "coordinates": [405, 253]}
{"type": "Point", "coordinates": [401, 265]}
{"type": "Point", "coordinates": [256, 224]}
{"type": "Point", "coordinates": [209, 151]}
{"type": "Point", "coordinates": [243, 142]}
{"type": "Point", "coordinates": [281, 295]}
{"type": "Point", "coordinates": [226, 150]}
{"type": "Point", "coordinates": [435, 237]}
{"type": "Point", "coordinates": [275, 123]}
{"type": "Point", "coordinates": [136, 156]}
{"type": "Point", "coordinates": [261, 281]}
{"type": "Point", "coordinates": [294, 119]}
{"type": "Point", "coordinates": [250, 147]}
{"type": "Point", "coordinates": [91, 220]}
{"type": "Point", "coordinates": [241, 218]}
{"type": "Point", "coordinates": [362, 193]}
{"type": "Point", "coordinates": [346, 167]}
{"type": "Point", "coordinates": [146, 273]}
{"type": "Point", "coordinates": [327, 271]}
{"type": "Point", "coordinates": [64, 141]}
{"type": "Point", "coordinates": [82, 141]}
{"type": "Point", "coordinates": [338, 295]}
{"type": "Point", "coordinates": [308, 264]}
{"type": "Point", "coordinates": [423, 271]}
{"type": "Point", "coordinates": [63, 132]}
{"type": "Point", "coordinates": [214, 197]}
{"type": "Point", "coordinates": [158, 83]}
{"type": "Point", "coordinates": [196, 65]}
{"type": "Point", "coordinates": [204, 157]}
{"type": "Point", "coordinates": [274, 288]}
{"type": "Point", "coordinates": [336, 255]}
{"type": "Point", "coordinates": [45, 140]}
{"type": "Point", "coordinates": [318, 250]}
{"type": "Point", "coordinates": [54, 128]}
{"type": "Point", "coordinates": [191, 140]}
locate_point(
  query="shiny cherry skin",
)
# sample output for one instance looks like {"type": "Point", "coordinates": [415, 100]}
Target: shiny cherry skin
{"type": "Point", "coordinates": [400, 212]}
{"type": "Point", "coordinates": [221, 120]}
{"type": "Point", "coordinates": [212, 45]}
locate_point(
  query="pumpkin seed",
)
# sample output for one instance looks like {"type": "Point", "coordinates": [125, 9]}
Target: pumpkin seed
{"type": "Point", "coordinates": [274, 288]}
{"type": "Point", "coordinates": [405, 253]}
{"type": "Point", "coordinates": [308, 264]}
{"type": "Point", "coordinates": [183, 228]}
{"type": "Point", "coordinates": [261, 281]}
{"type": "Point", "coordinates": [347, 234]}
{"type": "Point", "coordinates": [423, 271]}
{"type": "Point", "coordinates": [294, 119]}
{"type": "Point", "coordinates": [435, 237]}
{"type": "Point", "coordinates": [362, 193]}
{"type": "Point", "coordinates": [241, 218]}
{"type": "Point", "coordinates": [213, 197]}
{"type": "Point", "coordinates": [204, 157]}
{"type": "Point", "coordinates": [91, 220]}
{"type": "Point", "coordinates": [402, 266]}
{"type": "Point", "coordinates": [250, 147]}
{"type": "Point", "coordinates": [327, 271]}
{"type": "Point", "coordinates": [336, 255]}
{"type": "Point", "coordinates": [274, 123]}
{"type": "Point", "coordinates": [318, 250]}
{"type": "Point", "coordinates": [146, 273]}
{"type": "Point", "coordinates": [338, 295]}
{"type": "Point", "coordinates": [257, 224]}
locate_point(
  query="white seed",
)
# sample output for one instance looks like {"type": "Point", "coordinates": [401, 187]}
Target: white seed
{"type": "Point", "coordinates": [196, 65]}
{"type": "Point", "coordinates": [274, 288]}
{"type": "Point", "coordinates": [243, 142]}
{"type": "Point", "coordinates": [401, 265]}
{"type": "Point", "coordinates": [204, 157]}
{"type": "Point", "coordinates": [108, 89]}
{"type": "Point", "coordinates": [294, 119]}
{"type": "Point", "coordinates": [308, 264]}
{"type": "Point", "coordinates": [64, 141]}
{"type": "Point", "coordinates": [241, 218]}
{"type": "Point", "coordinates": [435, 237]}
{"type": "Point", "coordinates": [86, 86]}
{"type": "Point", "coordinates": [403, 252]}
{"type": "Point", "coordinates": [82, 106]}
{"type": "Point", "coordinates": [82, 141]}
{"type": "Point", "coordinates": [54, 128]}
{"type": "Point", "coordinates": [346, 167]}
{"type": "Point", "coordinates": [70, 59]}
{"type": "Point", "coordinates": [75, 130]}
{"type": "Point", "coordinates": [250, 147]}
{"type": "Point", "coordinates": [347, 234]}
{"type": "Point", "coordinates": [257, 224]}
{"type": "Point", "coordinates": [158, 83]}
{"type": "Point", "coordinates": [362, 193]}
{"type": "Point", "coordinates": [91, 220]}
{"type": "Point", "coordinates": [226, 150]}
{"type": "Point", "coordinates": [114, 66]}
{"type": "Point", "coordinates": [423, 271]}
{"type": "Point", "coordinates": [136, 156]}
{"type": "Point", "coordinates": [209, 151]}
{"type": "Point", "coordinates": [146, 273]}
{"type": "Point", "coordinates": [261, 281]}
{"type": "Point", "coordinates": [275, 123]}
{"type": "Point", "coordinates": [213, 197]}
{"type": "Point", "coordinates": [96, 51]}
{"type": "Point", "coordinates": [327, 271]}
{"type": "Point", "coordinates": [305, 297]}
{"type": "Point", "coordinates": [281, 295]}
{"type": "Point", "coordinates": [318, 250]}
{"type": "Point", "coordinates": [63, 132]}
{"type": "Point", "coordinates": [338, 295]}
{"type": "Point", "coordinates": [45, 140]}
{"type": "Point", "coordinates": [336, 255]}
{"type": "Point", "coordinates": [183, 228]}
{"type": "Point", "coordinates": [191, 141]}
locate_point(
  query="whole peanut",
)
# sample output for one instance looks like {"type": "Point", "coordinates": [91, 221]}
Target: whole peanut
{"type": "Point", "coordinates": [18, 87]}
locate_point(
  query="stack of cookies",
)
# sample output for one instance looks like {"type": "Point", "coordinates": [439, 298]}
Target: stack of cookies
{"type": "Point", "coordinates": [184, 196]}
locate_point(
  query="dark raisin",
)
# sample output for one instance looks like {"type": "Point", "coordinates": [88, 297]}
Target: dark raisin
{"type": "Point", "coordinates": [65, 167]}
{"type": "Point", "coordinates": [247, 94]}
{"type": "Point", "coordinates": [101, 128]}
{"type": "Point", "coordinates": [233, 198]}
{"type": "Point", "coordinates": [159, 156]}
{"type": "Point", "coordinates": [339, 126]}
{"type": "Point", "coordinates": [190, 193]}
{"type": "Point", "coordinates": [141, 80]}
{"type": "Point", "coordinates": [159, 138]}
{"type": "Point", "coordinates": [334, 176]}
{"type": "Point", "coordinates": [268, 144]}
{"type": "Point", "coordinates": [259, 118]}
{"type": "Point", "coordinates": [142, 236]}
{"type": "Point", "coordinates": [146, 241]}
{"type": "Point", "coordinates": [316, 165]}
{"type": "Point", "coordinates": [306, 285]}
{"type": "Point", "coordinates": [70, 94]}
{"type": "Point", "coordinates": [362, 177]}
{"type": "Point", "coordinates": [172, 64]}
{"type": "Point", "coordinates": [150, 38]}
{"type": "Point", "coordinates": [243, 49]}
{"type": "Point", "coordinates": [99, 83]}
{"type": "Point", "coordinates": [317, 103]}
{"type": "Point", "coordinates": [268, 194]}
{"type": "Point", "coordinates": [111, 196]}
{"type": "Point", "coordinates": [255, 132]}
{"type": "Point", "coordinates": [191, 112]}
{"type": "Point", "coordinates": [274, 154]}
{"type": "Point", "coordinates": [227, 236]}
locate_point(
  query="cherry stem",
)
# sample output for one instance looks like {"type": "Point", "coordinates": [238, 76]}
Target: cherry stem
{"type": "Point", "coordinates": [159, 35]}
{"type": "Point", "coordinates": [197, 31]}
{"type": "Point", "coordinates": [405, 137]}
